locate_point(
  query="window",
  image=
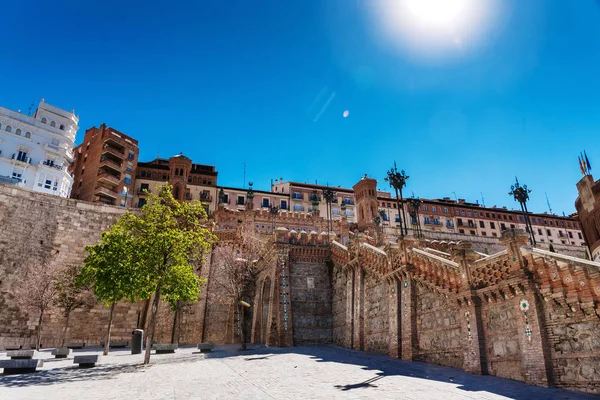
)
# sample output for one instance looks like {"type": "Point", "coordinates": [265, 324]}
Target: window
{"type": "Point", "coordinates": [470, 223]}
{"type": "Point", "coordinates": [127, 179]}
{"type": "Point", "coordinates": [427, 222]}
{"type": "Point", "coordinates": [571, 235]}
{"type": "Point", "coordinates": [394, 205]}
{"type": "Point", "coordinates": [481, 224]}
{"type": "Point", "coordinates": [463, 213]}
{"type": "Point", "coordinates": [521, 218]}
{"type": "Point", "coordinates": [44, 120]}
{"type": "Point", "coordinates": [22, 156]}
{"type": "Point", "coordinates": [204, 181]}
{"type": "Point", "coordinates": [449, 223]}
{"type": "Point", "coordinates": [579, 235]}
{"type": "Point", "coordinates": [461, 231]}
{"type": "Point", "coordinates": [492, 225]}
{"type": "Point", "coordinates": [539, 231]}
{"type": "Point", "coordinates": [18, 132]}
{"type": "Point", "coordinates": [283, 205]}
{"type": "Point", "coordinates": [459, 221]}
{"type": "Point", "coordinates": [512, 226]}
{"type": "Point", "coordinates": [502, 227]}
{"type": "Point", "coordinates": [504, 216]}
{"type": "Point", "coordinates": [510, 217]}
{"type": "Point", "coordinates": [483, 233]}
{"type": "Point", "coordinates": [53, 124]}
{"type": "Point", "coordinates": [210, 182]}
{"type": "Point", "coordinates": [144, 187]}
{"type": "Point", "coordinates": [143, 174]}
{"type": "Point", "coordinates": [265, 202]}
{"type": "Point", "coordinates": [457, 212]}
{"type": "Point", "coordinates": [493, 215]}
{"type": "Point", "coordinates": [28, 135]}
{"type": "Point", "coordinates": [487, 215]}
{"type": "Point", "coordinates": [164, 177]}
{"type": "Point", "coordinates": [61, 127]}
{"type": "Point", "coordinates": [240, 200]}
{"type": "Point", "coordinates": [494, 234]}
{"type": "Point", "coordinates": [432, 208]}
{"type": "Point", "coordinates": [551, 222]}
{"type": "Point", "coordinates": [47, 184]}
{"type": "Point", "coordinates": [141, 203]}
{"type": "Point", "coordinates": [9, 128]}
{"type": "Point", "coordinates": [469, 213]}
{"type": "Point", "coordinates": [472, 232]}
{"type": "Point", "coordinates": [190, 179]}
{"type": "Point", "coordinates": [131, 156]}
{"type": "Point", "coordinates": [17, 175]}
{"type": "Point", "coordinates": [445, 211]}
{"type": "Point", "coordinates": [548, 232]}
{"type": "Point", "coordinates": [129, 167]}
{"type": "Point", "coordinates": [475, 214]}
{"type": "Point", "coordinates": [424, 208]}
{"type": "Point", "coordinates": [436, 221]}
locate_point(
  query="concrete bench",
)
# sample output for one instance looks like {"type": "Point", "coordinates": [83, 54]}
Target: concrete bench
{"type": "Point", "coordinates": [206, 347]}
{"type": "Point", "coordinates": [75, 345]}
{"type": "Point", "coordinates": [61, 352]}
{"type": "Point", "coordinates": [13, 347]}
{"type": "Point", "coordinates": [115, 345]}
{"type": "Point", "coordinates": [86, 361]}
{"type": "Point", "coordinates": [17, 366]}
{"type": "Point", "coordinates": [20, 354]}
{"type": "Point", "coordinates": [164, 348]}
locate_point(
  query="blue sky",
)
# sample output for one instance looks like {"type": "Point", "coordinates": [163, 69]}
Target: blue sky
{"type": "Point", "coordinates": [267, 82]}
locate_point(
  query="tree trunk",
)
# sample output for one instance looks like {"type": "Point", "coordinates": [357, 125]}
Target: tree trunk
{"type": "Point", "coordinates": [175, 318]}
{"type": "Point", "coordinates": [110, 318]}
{"type": "Point", "coordinates": [64, 337]}
{"type": "Point", "coordinates": [39, 331]}
{"type": "Point", "coordinates": [150, 336]}
{"type": "Point", "coordinates": [242, 330]}
{"type": "Point", "coordinates": [144, 318]}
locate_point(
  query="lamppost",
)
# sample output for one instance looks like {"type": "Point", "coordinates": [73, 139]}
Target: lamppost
{"type": "Point", "coordinates": [274, 210]}
{"type": "Point", "coordinates": [343, 208]}
{"type": "Point", "coordinates": [314, 200]}
{"type": "Point", "coordinates": [397, 180]}
{"type": "Point", "coordinates": [377, 220]}
{"type": "Point", "coordinates": [415, 205]}
{"type": "Point", "coordinates": [329, 195]}
{"type": "Point", "coordinates": [521, 194]}
{"type": "Point", "coordinates": [221, 196]}
{"type": "Point", "coordinates": [250, 196]}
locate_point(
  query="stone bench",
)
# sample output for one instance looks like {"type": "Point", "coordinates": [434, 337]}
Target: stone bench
{"type": "Point", "coordinates": [86, 361]}
{"type": "Point", "coordinates": [13, 347]}
{"type": "Point", "coordinates": [61, 352]}
{"type": "Point", "coordinates": [206, 347]}
{"type": "Point", "coordinates": [75, 345]}
{"type": "Point", "coordinates": [20, 354]}
{"type": "Point", "coordinates": [20, 366]}
{"type": "Point", "coordinates": [164, 348]}
{"type": "Point", "coordinates": [115, 345]}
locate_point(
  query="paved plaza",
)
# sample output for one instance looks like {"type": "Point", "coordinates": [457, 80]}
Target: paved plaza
{"type": "Point", "coordinates": [319, 372]}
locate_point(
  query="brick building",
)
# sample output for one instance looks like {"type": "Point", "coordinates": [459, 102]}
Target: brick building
{"type": "Point", "coordinates": [104, 166]}
{"type": "Point", "coordinates": [190, 181]}
{"type": "Point", "coordinates": [588, 209]}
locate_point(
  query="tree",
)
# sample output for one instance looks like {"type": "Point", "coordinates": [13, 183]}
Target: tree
{"type": "Point", "coordinates": [240, 263]}
{"type": "Point", "coordinates": [36, 292]}
{"type": "Point", "coordinates": [168, 238]}
{"type": "Point", "coordinates": [71, 294]}
{"type": "Point", "coordinates": [112, 270]}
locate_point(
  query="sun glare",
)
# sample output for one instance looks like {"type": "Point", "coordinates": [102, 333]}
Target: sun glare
{"type": "Point", "coordinates": [434, 28]}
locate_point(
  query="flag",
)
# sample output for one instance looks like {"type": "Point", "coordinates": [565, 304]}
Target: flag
{"type": "Point", "coordinates": [581, 165]}
{"type": "Point", "coordinates": [587, 162]}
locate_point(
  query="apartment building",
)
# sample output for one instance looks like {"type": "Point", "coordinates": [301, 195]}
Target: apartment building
{"type": "Point", "coordinates": [104, 167]}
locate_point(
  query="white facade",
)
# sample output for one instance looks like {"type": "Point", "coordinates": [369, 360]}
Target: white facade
{"type": "Point", "coordinates": [36, 151]}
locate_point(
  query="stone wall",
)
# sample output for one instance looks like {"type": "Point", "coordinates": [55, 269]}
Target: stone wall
{"type": "Point", "coordinates": [440, 338]}
{"type": "Point", "coordinates": [376, 315]}
{"type": "Point", "coordinates": [311, 302]}
{"type": "Point", "coordinates": [338, 307]}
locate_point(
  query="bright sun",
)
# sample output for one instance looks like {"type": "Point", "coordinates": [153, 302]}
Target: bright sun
{"type": "Point", "coordinates": [435, 27]}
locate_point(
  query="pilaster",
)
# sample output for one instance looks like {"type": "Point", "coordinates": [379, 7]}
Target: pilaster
{"type": "Point", "coordinates": [408, 319]}
{"type": "Point", "coordinates": [394, 288]}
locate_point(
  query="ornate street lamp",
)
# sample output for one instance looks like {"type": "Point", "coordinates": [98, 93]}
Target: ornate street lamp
{"type": "Point", "coordinates": [415, 206]}
{"type": "Point", "coordinates": [329, 196]}
{"type": "Point", "coordinates": [221, 196]}
{"type": "Point", "coordinates": [250, 196]}
{"type": "Point", "coordinates": [314, 200]}
{"type": "Point", "coordinates": [397, 180]}
{"type": "Point", "coordinates": [274, 210]}
{"type": "Point", "coordinates": [521, 194]}
{"type": "Point", "coordinates": [343, 208]}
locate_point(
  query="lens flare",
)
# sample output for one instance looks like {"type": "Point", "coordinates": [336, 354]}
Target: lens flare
{"type": "Point", "coordinates": [436, 28]}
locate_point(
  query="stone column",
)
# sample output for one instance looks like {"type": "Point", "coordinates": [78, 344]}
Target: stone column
{"type": "Point", "coordinates": [474, 360]}
{"type": "Point", "coordinates": [359, 312]}
{"type": "Point", "coordinates": [349, 326]}
{"type": "Point", "coordinates": [394, 288]}
{"type": "Point", "coordinates": [408, 319]}
{"type": "Point", "coordinates": [536, 370]}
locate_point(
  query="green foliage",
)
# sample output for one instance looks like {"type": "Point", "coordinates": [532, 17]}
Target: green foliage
{"type": "Point", "coordinates": [111, 267]}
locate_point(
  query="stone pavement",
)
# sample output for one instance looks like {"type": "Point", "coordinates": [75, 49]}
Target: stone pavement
{"type": "Point", "coordinates": [311, 372]}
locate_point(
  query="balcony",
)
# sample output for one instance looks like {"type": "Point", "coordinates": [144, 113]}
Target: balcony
{"type": "Point", "coordinates": [115, 141]}
{"type": "Point", "coordinates": [103, 191]}
{"type": "Point", "coordinates": [297, 196]}
{"type": "Point", "coordinates": [50, 164]}
{"type": "Point", "coordinates": [204, 197]}
{"type": "Point", "coordinates": [23, 159]}
{"type": "Point", "coordinates": [115, 152]}
{"type": "Point", "coordinates": [108, 179]}
{"type": "Point", "coordinates": [108, 163]}
{"type": "Point", "coordinates": [143, 190]}
{"type": "Point", "coordinates": [348, 202]}
{"type": "Point", "coordinates": [301, 209]}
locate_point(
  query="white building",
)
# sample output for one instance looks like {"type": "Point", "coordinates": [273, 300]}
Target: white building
{"type": "Point", "coordinates": [35, 151]}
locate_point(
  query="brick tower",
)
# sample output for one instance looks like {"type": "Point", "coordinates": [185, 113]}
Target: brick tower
{"type": "Point", "coordinates": [365, 193]}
